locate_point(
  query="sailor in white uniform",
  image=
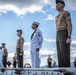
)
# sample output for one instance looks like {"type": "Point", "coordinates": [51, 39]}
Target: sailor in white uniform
{"type": "Point", "coordinates": [36, 44]}
{"type": "Point", "coordinates": [1, 57]}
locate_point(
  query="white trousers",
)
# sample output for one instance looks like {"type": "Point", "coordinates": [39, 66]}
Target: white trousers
{"type": "Point", "coordinates": [1, 64]}
{"type": "Point", "coordinates": [35, 60]}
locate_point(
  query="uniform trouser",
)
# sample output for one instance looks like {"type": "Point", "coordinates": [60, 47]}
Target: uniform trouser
{"type": "Point", "coordinates": [4, 61]}
{"type": "Point", "coordinates": [63, 49]}
{"type": "Point", "coordinates": [74, 65]}
{"type": "Point", "coordinates": [35, 59]}
{"type": "Point", "coordinates": [14, 64]}
{"type": "Point", "coordinates": [19, 58]}
{"type": "Point", "coordinates": [49, 64]}
{"type": "Point", "coordinates": [1, 64]}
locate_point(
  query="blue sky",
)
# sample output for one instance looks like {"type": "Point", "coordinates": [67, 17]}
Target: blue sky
{"type": "Point", "coordinates": [21, 15]}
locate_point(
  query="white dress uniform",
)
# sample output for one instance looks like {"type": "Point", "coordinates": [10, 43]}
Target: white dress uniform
{"type": "Point", "coordinates": [1, 58]}
{"type": "Point", "coordinates": [36, 42]}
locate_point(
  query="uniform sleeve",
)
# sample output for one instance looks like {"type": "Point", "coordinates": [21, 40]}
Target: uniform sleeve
{"type": "Point", "coordinates": [40, 40]}
{"type": "Point", "coordinates": [6, 52]}
{"type": "Point", "coordinates": [22, 40]}
{"type": "Point", "coordinates": [67, 16]}
{"type": "Point", "coordinates": [2, 52]}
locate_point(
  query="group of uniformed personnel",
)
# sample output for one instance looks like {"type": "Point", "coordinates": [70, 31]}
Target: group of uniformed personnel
{"type": "Point", "coordinates": [63, 39]}
{"type": "Point", "coordinates": [36, 43]}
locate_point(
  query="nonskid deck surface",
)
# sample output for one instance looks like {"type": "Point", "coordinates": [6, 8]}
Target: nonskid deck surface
{"type": "Point", "coordinates": [39, 71]}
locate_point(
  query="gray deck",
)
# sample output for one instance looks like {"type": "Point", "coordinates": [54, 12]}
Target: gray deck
{"type": "Point", "coordinates": [39, 71]}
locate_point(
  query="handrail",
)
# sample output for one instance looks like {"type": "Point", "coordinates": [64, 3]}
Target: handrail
{"type": "Point", "coordinates": [35, 69]}
{"type": "Point", "coordinates": [43, 71]}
